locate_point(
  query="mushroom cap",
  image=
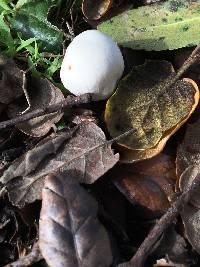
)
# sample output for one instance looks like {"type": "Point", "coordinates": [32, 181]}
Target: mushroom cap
{"type": "Point", "coordinates": [93, 63]}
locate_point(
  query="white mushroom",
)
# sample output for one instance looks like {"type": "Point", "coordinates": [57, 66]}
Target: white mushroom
{"type": "Point", "coordinates": [93, 63]}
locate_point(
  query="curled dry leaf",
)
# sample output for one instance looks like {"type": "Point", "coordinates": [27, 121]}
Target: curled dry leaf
{"type": "Point", "coordinates": [10, 80]}
{"type": "Point", "coordinates": [147, 186]}
{"type": "Point", "coordinates": [188, 160]}
{"type": "Point", "coordinates": [95, 9]}
{"type": "Point", "coordinates": [77, 151]}
{"type": "Point", "coordinates": [144, 102]}
{"type": "Point", "coordinates": [42, 93]}
{"type": "Point", "coordinates": [70, 234]}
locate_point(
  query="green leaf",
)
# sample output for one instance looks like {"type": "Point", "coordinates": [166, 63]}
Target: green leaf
{"type": "Point", "coordinates": [20, 3]}
{"type": "Point", "coordinates": [32, 67]}
{"type": "Point", "coordinates": [5, 35]}
{"type": "Point", "coordinates": [60, 125]}
{"type": "Point", "coordinates": [30, 19]}
{"type": "Point", "coordinates": [54, 66]}
{"type": "Point", "coordinates": [4, 5]}
{"type": "Point", "coordinates": [25, 43]}
{"type": "Point", "coordinates": [170, 25]}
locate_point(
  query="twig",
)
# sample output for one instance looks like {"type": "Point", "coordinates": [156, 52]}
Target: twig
{"type": "Point", "coordinates": [171, 214]}
{"type": "Point", "coordinates": [68, 102]}
{"type": "Point", "coordinates": [33, 257]}
{"type": "Point", "coordinates": [195, 55]}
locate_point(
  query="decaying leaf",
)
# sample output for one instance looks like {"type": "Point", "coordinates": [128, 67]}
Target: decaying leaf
{"type": "Point", "coordinates": [160, 26]}
{"type": "Point", "coordinates": [42, 93]}
{"type": "Point", "coordinates": [30, 19]}
{"type": "Point", "coordinates": [191, 218]}
{"type": "Point", "coordinates": [144, 102]}
{"type": "Point", "coordinates": [24, 178]}
{"type": "Point", "coordinates": [10, 80]}
{"type": "Point", "coordinates": [161, 165]}
{"type": "Point", "coordinates": [188, 160]}
{"type": "Point", "coordinates": [174, 247]}
{"type": "Point", "coordinates": [95, 9]}
{"type": "Point", "coordinates": [149, 184]}
{"type": "Point", "coordinates": [70, 234]}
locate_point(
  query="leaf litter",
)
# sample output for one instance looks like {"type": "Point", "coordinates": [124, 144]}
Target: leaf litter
{"type": "Point", "coordinates": [62, 170]}
{"type": "Point", "coordinates": [24, 178]}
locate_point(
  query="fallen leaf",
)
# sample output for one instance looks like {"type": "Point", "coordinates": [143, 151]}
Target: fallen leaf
{"type": "Point", "coordinates": [10, 80]}
{"type": "Point", "coordinates": [143, 102]}
{"type": "Point", "coordinates": [77, 151]}
{"type": "Point", "coordinates": [160, 26]}
{"type": "Point", "coordinates": [42, 93]}
{"type": "Point", "coordinates": [70, 234]}
{"type": "Point", "coordinates": [94, 10]}
{"type": "Point", "coordinates": [149, 184]}
{"type": "Point", "coordinates": [191, 218]}
{"type": "Point", "coordinates": [161, 165]}
{"type": "Point", "coordinates": [174, 247]}
{"type": "Point", "coordinates": [131, 156]}
{"type": "Point", "coordinates": [188, 160]}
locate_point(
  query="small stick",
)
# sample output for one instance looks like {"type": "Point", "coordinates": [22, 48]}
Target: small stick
{"type": "Point", "coordinates": [68, 102]}
{"type": "Point", "coordinates": [167, 219]}
{"type": "Point", "coordinates": [33, 257]}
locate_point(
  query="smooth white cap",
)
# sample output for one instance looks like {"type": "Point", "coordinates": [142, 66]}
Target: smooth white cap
{"type": "Point", "coordinates": [93, 63]}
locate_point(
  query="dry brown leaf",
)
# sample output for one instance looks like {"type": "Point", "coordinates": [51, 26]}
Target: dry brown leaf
{"type": "Point", "coordinates": [42, 93]}
{"type": "Point", "coordinates": [149, 184]}
{"type": "Point", "coordinates": [70, 234]}
{"type": "Point", "coordinates": [174, 247]}
{"type": "Point", "coordinates": [191, 220]}
{"type": "Point", "coordinates": [95, 9]}
{"type": "Point", "coordinates": [188, 160]}
{"type": "Point", "coordinates": [24, 178]}
{"type": "Point", "coordinates": [10, 80]}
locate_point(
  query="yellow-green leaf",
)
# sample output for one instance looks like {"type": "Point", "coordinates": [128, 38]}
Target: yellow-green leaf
{"type": "Point", "coordinates": [145, 102]}
{"type": "Point", "coordinates": [170, 25]}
